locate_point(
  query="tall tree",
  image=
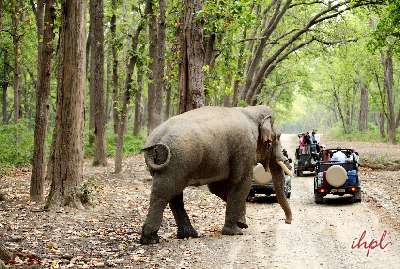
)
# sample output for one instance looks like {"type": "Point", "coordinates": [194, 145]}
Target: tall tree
{"type": "Point", "coordinates": [113, 27]}
{"type": "Point", "coordinates": [65, 170]}
{"type": "Point", "coordinates": [4, 80]}
{"type": "Point", "coordinates": [126, 96]}
{"type": "Point", "coordinates": [45, 54]}
{"type": "Point", "coordinates": [4, 85]}
{"type": "Point", "coordinates": [138, 102]}
{"type": "Point", "coordinates": [156, 26]}
{"type": "Point", "coordinates": [16, 17]}
{"type": "Point", "coordinates": [392, 120]}
{"type": "Point", "coordinates": [281, 45]}
{"type": "Point", "coordinates": [97, 80]}
{"type": "Point", "coordinates": [191, 74]}
{"type": "Point", "coordinates": [364, 108]}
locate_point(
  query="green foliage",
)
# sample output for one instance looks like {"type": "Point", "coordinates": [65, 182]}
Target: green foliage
{"type": "Point", "coordinates": [387, 32]}
{"type": "Point", "coordinates": [132, 144]}
{"type": "Point", "coordinates": [13, 151]}
{"type": "Point", "coordinates": [372, 135]}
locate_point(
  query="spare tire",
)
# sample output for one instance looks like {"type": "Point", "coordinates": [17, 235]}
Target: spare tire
{"type": "Point", "coordinates": [260, 176]}
{"type": "Point", "coordinates": [336, 175]}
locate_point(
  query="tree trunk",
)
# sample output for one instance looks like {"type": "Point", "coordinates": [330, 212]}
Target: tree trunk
{"type": "Point", "coordinates": [191, 75]}
{"type": "Point", "coordinates": [67, 155]}
{"type": "Point", "coordinates": [137, 125]}
{"type": "Point", "coordinates": [107, 107]}
{"type": "Point", "coordinates": [156, 66]}
{"type": "Point", "coordinates": [16, 39]}
{"type": "Point", "coordinates": [381, 123]}
{"type": "Point", "coordinates": [114, 66]}
{"type": "Point", "coordinates": [388, 85]}
{"type": "Point", "coordinates": [363, 116]}
{"type": "Point", "coordinates": [340, 112]}
{"type": "Point", "coordinates": [167, 106]}
{"type": "Point", "coordinates": [4, 86]}
{"type": "Point", "coordinates": [97, 80]}
{"type": "Point", "coordinates": [42, 102]}
{"type": "Point", "coordinates": [126, 99]}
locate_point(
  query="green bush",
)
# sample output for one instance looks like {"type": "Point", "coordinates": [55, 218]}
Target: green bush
{"type": "Point", "coordinates": [371, 135]}
{"type": "Point", "coordinates": [16, 144]}
{"type": "Point", "coordinates": [18, 152]}
{"type": "Point", "coordinates": [132, 144]}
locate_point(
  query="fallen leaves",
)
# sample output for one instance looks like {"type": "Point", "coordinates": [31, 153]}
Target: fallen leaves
{"type": "Point", "coordinates": [106, 235]}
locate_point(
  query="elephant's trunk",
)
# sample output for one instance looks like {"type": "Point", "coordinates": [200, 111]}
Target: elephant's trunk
{"type": "Point", "coordinates": [157, 156]}
{"type": "Point", "coordinates": [278, 179]}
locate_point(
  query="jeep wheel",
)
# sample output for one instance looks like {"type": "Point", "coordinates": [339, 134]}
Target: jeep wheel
{"type": "Point", "coordinates": [318, 198]}
{"type": "Point", "coordinates": [250, 196]}
{"type": "Point", "coordinates": [357, 197]}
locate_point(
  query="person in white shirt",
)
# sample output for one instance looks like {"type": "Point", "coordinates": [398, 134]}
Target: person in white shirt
{"type": "Point", "coordinates": [338, 156]}
{"type": "Point", "coordinates": [354, 157]}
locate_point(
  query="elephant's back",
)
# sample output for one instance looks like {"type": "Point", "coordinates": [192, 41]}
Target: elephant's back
{"type": "Point", "coordinates": [206, 137]}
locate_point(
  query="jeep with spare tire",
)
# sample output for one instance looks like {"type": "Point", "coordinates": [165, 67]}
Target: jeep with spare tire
{"type": "Point", "coordinates": [262, 180]}
{"type": "Point", "coordinates": [337, 176]}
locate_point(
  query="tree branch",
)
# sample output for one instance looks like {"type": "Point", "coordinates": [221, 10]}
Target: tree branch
{"type": "Point", "coordinates": [319, 17]}
{"type": "Point", "coordinates": [306, 3]}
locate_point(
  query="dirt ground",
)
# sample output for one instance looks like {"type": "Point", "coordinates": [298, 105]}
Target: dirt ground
{"type": "Point", "coordinates": [320, 236]}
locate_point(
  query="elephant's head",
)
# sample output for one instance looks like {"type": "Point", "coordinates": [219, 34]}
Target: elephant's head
{"type": "Point", "coordinates": [268, 143]}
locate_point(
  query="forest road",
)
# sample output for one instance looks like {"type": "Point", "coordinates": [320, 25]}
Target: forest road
{"type": "Point", "coordinates": [320, 236]}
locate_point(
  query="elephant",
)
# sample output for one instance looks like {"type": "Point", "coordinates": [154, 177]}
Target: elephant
{"type": "Point", "coordinates": [217, 146]}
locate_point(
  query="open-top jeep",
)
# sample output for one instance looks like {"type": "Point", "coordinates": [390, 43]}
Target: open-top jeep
{"type": "Point", "coordinates": [306, 162]}
{"type": "Point", "coordinates": [337, 177]}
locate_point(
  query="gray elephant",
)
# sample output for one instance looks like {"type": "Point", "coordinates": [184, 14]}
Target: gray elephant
{"type": "Point", "coordinates": [218, 146]}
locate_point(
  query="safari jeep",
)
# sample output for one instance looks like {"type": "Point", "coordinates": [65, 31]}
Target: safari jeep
{"type": "Point", "coordinates": [305, 162]}
{"type": "Point", "coordinates": [262, 182]}
{"type": "Point", "coordinates": [337, 178]}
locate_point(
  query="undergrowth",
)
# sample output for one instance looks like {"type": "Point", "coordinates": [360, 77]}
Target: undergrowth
{"type": "Point", "coordinates": [16, 145]}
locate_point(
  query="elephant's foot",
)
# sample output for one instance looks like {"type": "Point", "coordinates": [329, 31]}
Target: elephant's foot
{"type": "Point", "coordinates": [288, 221]}
{"type": "Point", "coordinates": [147, 239]}
{"type": "Point", "coordinates": [232, 230]}
{"type": "Point", "coordinates": [186, 232]}
{"type": "Point", "coordinates": [242, 225]}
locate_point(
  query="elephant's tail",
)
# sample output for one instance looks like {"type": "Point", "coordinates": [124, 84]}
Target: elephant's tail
{"type": "Point", "coordinates": [157, 156]}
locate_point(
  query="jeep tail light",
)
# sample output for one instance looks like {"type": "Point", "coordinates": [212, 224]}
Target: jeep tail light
{"type": "Point", "coordinates": [353, 189]}
{"type": "Point", "coordinates": [322, 190]}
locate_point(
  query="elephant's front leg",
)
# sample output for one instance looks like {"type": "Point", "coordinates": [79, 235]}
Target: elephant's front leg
{"type": "Point", "coordinates": [185, 228]}
{"type": "Point", "coordinates": [236, 207]}
{"type": "Point", "coordinates": [222, 189]}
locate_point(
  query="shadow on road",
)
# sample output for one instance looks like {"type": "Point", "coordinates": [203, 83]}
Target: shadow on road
{"type": "Point", "coordinates": [263, 200]}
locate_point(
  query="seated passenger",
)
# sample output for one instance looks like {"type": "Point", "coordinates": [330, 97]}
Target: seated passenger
{"type": "Point", "coordinates": [354, 157]}
{"type": "Point", "coordinates": [339, 156]}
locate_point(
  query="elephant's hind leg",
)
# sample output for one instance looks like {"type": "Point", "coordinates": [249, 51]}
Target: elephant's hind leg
{"type": "Point", "coordinates": [161, 194]}
{"type": "Point", "coordinates": [185, 228]}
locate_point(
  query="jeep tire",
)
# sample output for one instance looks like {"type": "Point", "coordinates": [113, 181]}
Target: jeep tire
{"type": "Point", "coordinates": [357, 197]}
{"type": "Point", "coordinates": [318, 198]}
